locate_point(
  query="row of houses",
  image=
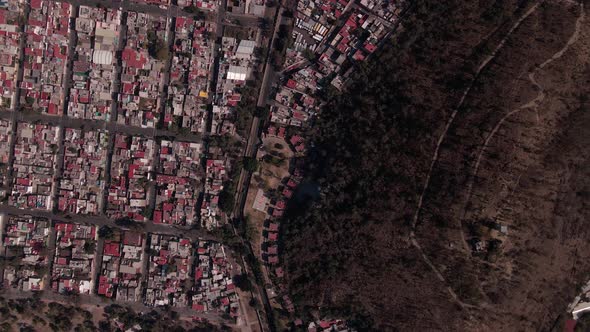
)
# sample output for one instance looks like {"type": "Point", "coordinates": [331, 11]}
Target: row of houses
{"type": "Point", "coordinates": [24, 245]}
{"type": "Point", "coordinates": [82, 181]}
{"type": "Point", "coordinates": [35, 154]}
{"type": "Point", "coordinates": [313, 21]}
{"type": "Point", "coordinates": [182, 273]}
{"type": "Point", "coordinates": [353, 42]}
{"type": "Point", "coordinates": [168, 271]}
{"type": "Point", "coordinates": [121, 270]}
{"type": "Point", "coordinates": [213, 287]}
{"type": "Point", "coordinates": [131, 170]}
{"type": "Point", "coordinates": [200, 4]}
{"type": "Point", "coordinates": [143, 70]}
{"type": "Point", "coordinates": [5, 140]}
{"type": "Point", "coordinates": [94, 67]}
{"type": "Point", "coordinates": [293, 107]}
{"type": "Point", "coordinates": [178, 182]}
{"type": "Point", "coordinates": [211, 215]}
{"type": "Point", "coordinates": [188, 91]}
{"type": "Point", "coordinates": [74, 259]}
{"type": "Point", "coordinates": [10, 35]}
{"type": "Point", "coordinates": [45, 56]}
{"type": "Point", "coordinates": [275, 209]}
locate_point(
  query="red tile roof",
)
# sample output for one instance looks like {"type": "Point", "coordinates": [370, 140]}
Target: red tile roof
{"type": "Point", "coordinates": [111, 249]}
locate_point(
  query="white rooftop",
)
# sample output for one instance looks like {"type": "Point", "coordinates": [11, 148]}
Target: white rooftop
{"type": "Point", "coordinates": [102, 57]}
{"type": "Point", "coordinates": [237, 73]}
{"type": "Point", "coordinates": [246, 47]}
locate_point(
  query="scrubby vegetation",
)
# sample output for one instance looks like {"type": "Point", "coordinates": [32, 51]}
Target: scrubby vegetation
{"type": "Point", "coordinates": [352, 253]}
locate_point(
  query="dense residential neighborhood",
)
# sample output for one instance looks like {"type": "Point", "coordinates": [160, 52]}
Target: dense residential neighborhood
{"type": "Point", "coordinates": [129, 131]}
{"type": "Point", "coordinates": [122, 267]}
{"type": "Point", "coordinates": [35, 154]}
{"type": "Point", "coordinates": [45, 56]}
{"type": "Point", "coordinates": [174, 271]}
{"type": "Point", "coordinates": [94, 67]}
{"type": "Point", "coordinates": [74, 261]}
{"type": "Point", "coordinates": [131, 168]}
{"type": "Point", "coordinates": [177, 183]}
{"type": "Point", "coordinates": [83, 176]}
{"type": "Point", "coordinates": [25, 238]}
{"type": "Point", "coordinates": [10, 35]}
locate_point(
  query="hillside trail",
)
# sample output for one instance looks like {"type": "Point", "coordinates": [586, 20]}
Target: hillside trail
{"type": "Point", "coordinates": [435, 156]}
{"type": "Point", "coordinates": [451, 119]}
{"type": "Point", "coordinates": [531, 105]}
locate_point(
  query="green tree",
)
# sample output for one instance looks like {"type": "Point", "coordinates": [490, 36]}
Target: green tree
{"type": "Point", "coordinates": [250, 164]}
{"type": "Point", "coordinates": [226, 201]}
{"type": "Point", "coordinates": [105, 232]}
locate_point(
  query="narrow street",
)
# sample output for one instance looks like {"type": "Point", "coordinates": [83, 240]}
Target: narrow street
{"type": "Point", "coordinates": [50, 256]}
{"type": "Point", "coordinates": [100, 220]}
{"type": "Point", "coordinates": [111, 126]}
{"type": "Point", "coordinates": [12, 115]}
{"type": "Point", "coordinates": [66, 87]}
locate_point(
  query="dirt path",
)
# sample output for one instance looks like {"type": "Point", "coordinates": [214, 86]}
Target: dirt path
{"type": "Point", "coordinates": [459, 105]}
{"type": "Point", "coordinates": [531, 105]}
{"type": "Point", "coordinates": [440, 276]}
{"type": "Point", "coordinates": [442, 137]}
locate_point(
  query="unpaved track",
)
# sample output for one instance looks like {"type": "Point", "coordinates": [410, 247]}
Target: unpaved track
{"type": "Point", "coordinates": [442, 137]}
{"type": "Point", "coordinates": [531, 105]}
{"type": "Point", "coordinates": [461, 101]}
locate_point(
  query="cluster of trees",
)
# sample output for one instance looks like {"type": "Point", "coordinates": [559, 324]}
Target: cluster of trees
{"type": "Point", "coordinates": [198, 13]}
{"type": "Point", "coordinates": [250, 164]}
{"type": "Point", "coordinates": [157, 48]}
{"type": "Point", "coordinates": [52, 316]}
{"type": "Point", "coordinates": [155, 320]}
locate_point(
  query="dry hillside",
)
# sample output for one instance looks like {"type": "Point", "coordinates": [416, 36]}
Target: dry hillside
{"type": "Point", "coordinates": [482, 121]}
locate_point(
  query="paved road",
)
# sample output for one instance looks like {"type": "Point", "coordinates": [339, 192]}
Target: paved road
{"type": "Point", "coordinates": [175, 11]}
{"type": "Point", "coordinates": [250, 151]}
{"type": "Point", "coordinates": [169, 11]}
{"type": "Point", "coordinates": [100, 220]}
{"type": "Point", "coordinates": [253, 139]}
{"type": "Point", "coordinates": [77, 123]}
{"type": "Point", "coordinates": [241, 20]}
